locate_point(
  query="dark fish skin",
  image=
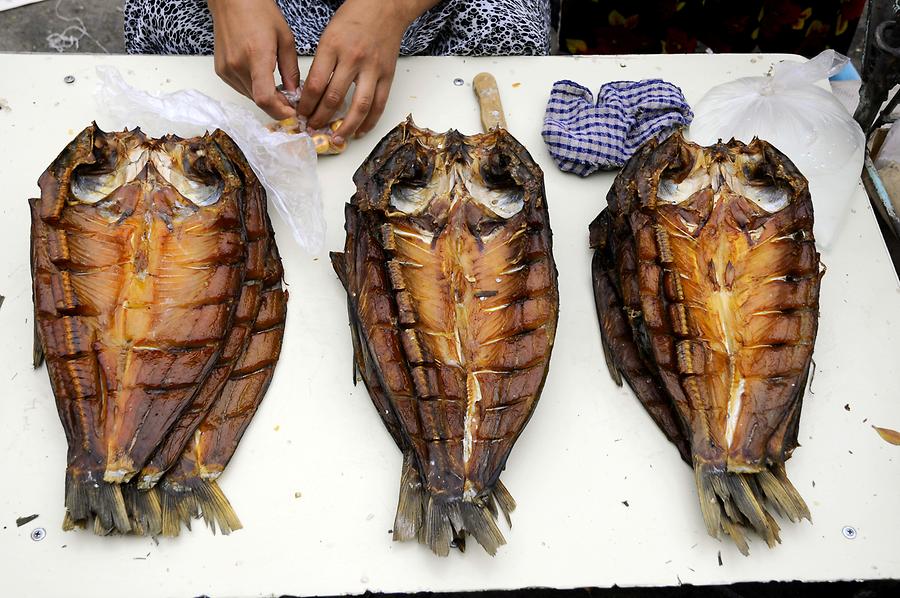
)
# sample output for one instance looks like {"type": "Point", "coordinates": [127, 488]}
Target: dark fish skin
{"type": "Point", "coordinates": [190, 488]}
{"type": "Point", "coordinates": [148, 268]}
{"type": "Point", "coordinates": [619, 305]}
{"type": "Point", "coordinates": [706, 281]}
{"type": "Point", "coordinates": [453, 303]}
{"type": "Point", "coordinates": [259, 239]}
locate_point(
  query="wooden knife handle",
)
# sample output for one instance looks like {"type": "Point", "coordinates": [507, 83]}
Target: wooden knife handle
{"type": "Point", "coordinates": [485, 87]}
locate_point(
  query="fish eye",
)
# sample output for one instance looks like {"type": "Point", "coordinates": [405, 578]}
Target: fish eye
{"type": "Point", "coordinates": [496, 171]}
{"type": "Point", "coordinates": [764, 188]}
{"type": "Point", "coordinates": [497, 190]}
{"type": "Point", "coordinates": [414, 188]}
{"type": "Point", "coordinates": [409, 199]}
{"type": "Point", "coordinates": [191, 173]}
{"type": "Point", "coordinates": [114, 166]}
{"type": "Point", "coordinates": [417, 172]}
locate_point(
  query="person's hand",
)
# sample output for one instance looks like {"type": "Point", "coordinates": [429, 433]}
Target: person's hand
{"type": "Point", "coordinates": [361, 45]}
{"type": "Point", "coordinates": [251, 37]}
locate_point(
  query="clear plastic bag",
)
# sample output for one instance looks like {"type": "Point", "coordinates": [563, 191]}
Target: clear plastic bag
{"type": "Point", "coordinates": [323, 138]}
{"type": "Point", "coordinates": [806, 122]}
{"type": "Point", "coordinates": [285, 163]}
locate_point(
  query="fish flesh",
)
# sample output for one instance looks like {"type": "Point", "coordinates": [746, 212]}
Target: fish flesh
{"type": "Point", "coordinates": [153, 262]}
{"type": "Point", "coordinates": [453, 302]}
{"type": "Point", "coordinates": [706, 280]}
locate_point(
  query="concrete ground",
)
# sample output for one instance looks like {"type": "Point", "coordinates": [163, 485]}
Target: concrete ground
{"type": "Point", "coordinates": [93, 26]}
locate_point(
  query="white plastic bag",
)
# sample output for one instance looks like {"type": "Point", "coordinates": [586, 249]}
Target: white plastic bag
{"type": "Point", "coordinates": [285, 163]}
{"type": "Point", "coordinates": [802, 120]}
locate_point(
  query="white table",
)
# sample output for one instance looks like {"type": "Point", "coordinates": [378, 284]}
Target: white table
{"type": "Point", "coordinates": [315, 479]}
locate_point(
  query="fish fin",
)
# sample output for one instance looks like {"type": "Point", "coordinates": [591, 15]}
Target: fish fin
{"type": "Point", "coordinates": [622, 329]}
{"type": "Point", "coordinates": [102, 502]}
{"type": "Point", "coordinates": [733, 502]}
{"type": "Point", "coordinates": [179, 506]}
{"type": "Point", "coordinates": [599, 240]}
{"type": "Point", "coordinates": [480, 523]}
{"type": "Point", "coordinates": [614, 372]}
{"type": "Point", "coordinates": [37, 351]}
{"type": "Point", "coordinates": [448, 522]}
{"type": "Point", "coordinates": [193, 498]}
{"type": "Point", "coordinates": [437, 531]}
{"type": "Point", "coordinates": [144, 510]}
{"type": "Point", "coordinates": [216, 509]}
{"type": "Point", "coordinates": [411, 505]}
{"type": "Point", "coordinates": [779, 490]}
{"type": "Point", "coordinates": [359, 362]}
{"type": "Point", "coordinates": [505, 500]}
{"type": "Point", "coordinates": [442, 524]}
{"type": "Point", "coordinates": [339, 263]}
{"type": "Point", "coordinates": [70, 524]}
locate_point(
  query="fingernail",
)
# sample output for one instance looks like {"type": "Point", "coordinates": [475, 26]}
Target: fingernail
{"type": "Point", "coordinates": [359, 134]}
{"type": "Point", "coordinates": [338, 139]}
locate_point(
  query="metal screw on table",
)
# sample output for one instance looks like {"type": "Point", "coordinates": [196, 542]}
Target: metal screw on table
{"type": "Point", "coordinates": [849, 532]}
{"type": "Point", "coordinates": [458, 81]}
{"type": "Point", "coordinates": [69, 79]}
{"type": "Point", "coordinates": [38, 534]}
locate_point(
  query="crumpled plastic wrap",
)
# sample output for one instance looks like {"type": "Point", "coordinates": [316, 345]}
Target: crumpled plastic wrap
{"type": "Point", "coordinates": [285, 163]}
{"type": "Point", "coordinates": [806, 122]}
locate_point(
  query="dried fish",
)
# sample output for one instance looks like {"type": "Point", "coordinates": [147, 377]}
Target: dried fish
{"type": "Point", "coordinates": [452, 297]}
{"type": "Point", "coordinates": [706, 280]}
{"type": "Point", "coordinates": [149, 262]}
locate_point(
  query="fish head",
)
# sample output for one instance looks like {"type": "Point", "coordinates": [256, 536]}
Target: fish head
{"type": "Point", "coordinates": [732, 187]}
{"type": "Point", "coordinates": [98, 169]}
{"type": "Point", "coordinates": [430, 179]}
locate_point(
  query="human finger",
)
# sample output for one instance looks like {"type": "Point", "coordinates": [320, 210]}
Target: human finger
{"type": "Point", "coordinates": [263, 92]}
{"type": "Point", "coordinates": [316, 80]}
{"type": "Point", "coordinates": [333, 96]}
{"type": "Point", "coordinates": [382, 91]}
{"type": "Point", "coordinates": [361, 105]}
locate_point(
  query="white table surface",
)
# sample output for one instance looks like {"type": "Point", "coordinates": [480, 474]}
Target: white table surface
{"type": "Point", "coordinates": [315, 479]}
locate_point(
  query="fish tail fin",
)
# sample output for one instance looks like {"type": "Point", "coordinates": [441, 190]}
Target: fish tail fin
{"type": "Point", "coordinates": [440, 523]}
{"type": "Point", "coordinates": [776, 486]}
{"type": "Point", "coordinates": [100, 501]}
{"type": "Point", "coordinates": [447, 522]}
{"type": "Point", "coordinates": [734, 502]}
{"type": "Point", "coordinates": [186, 500]}
{"type": "Point", "coordinates": [408, 522]}
{"type": "Point", "coordinates": [215, 508]}
{"type": "Point", "coordinates": [144, 510]}
{"type": "Point", "coordinates": [505, 500]}
{"type": "Point", "coordinates": [480, 522]}
{"type": "Point", "coordinates": [178, 505]}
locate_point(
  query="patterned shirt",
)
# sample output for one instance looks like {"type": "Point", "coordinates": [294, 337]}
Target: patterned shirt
{"type": "Point", "coordinates": [453, 27]}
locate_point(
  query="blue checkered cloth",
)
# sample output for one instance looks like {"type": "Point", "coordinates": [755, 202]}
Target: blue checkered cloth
{"type": "Point", "coordinates": [584, 137]}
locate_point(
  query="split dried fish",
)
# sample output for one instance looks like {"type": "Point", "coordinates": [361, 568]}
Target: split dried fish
{"type": "Point", "coordinates": [453, 301]}
{"type": "Point", "coordinates": [706, 280]}
{"type": "Point", "coordinates": [159, 312]}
